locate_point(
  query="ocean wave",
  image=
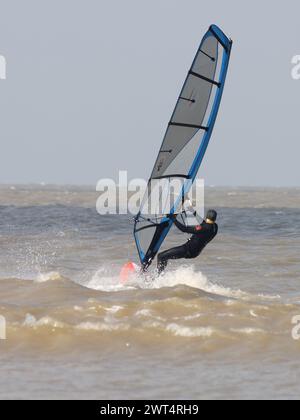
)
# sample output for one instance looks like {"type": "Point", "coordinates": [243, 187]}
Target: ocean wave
{"type": "Point", "coordinates": [45, 277]}
{"type": "Point", "coordinates": [46, 321]}
{"type": "Point", "coordinates": [248, 331]}
{"type": "Point", "coordinates": [184, 331]}
{"type": "Point", "coordinates": [101, 326]}
{"type": "Point", "coordinates": [106, 279]}
{"type": "Point", "coordinates": [187, 276]}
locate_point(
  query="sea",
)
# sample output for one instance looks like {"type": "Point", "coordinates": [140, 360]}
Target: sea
{"type": "Point", "coordinates": [222, 327]}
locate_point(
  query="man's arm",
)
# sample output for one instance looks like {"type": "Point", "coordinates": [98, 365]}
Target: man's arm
{"type": "Point", "coordinates": [187, 229]}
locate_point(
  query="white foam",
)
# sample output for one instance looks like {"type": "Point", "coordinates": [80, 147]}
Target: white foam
{"type": "Point", "coordinates": [153, 324]}
{"type": "Point", "coordinates": [147, 313]}
{"type": "Point", "coordinates": [32, 322]}
{"type": "Point", "coordinates": [100, 326]}
{"type": "Point", "coordinates": [105, 279]}
{"type": "Point", "coordinates": [45, 277]}
{"type": "Point", "coordinates": [247, 331]}
{"type": "Point", "coordinates": [181, 331]}
{"type": "Point", "coordinates": [114, 309]}
{"type": "Point", "coordinates": [187, 276]}
{"type": "Point", "coordinates": [252, 313]}
{"type": "Point", "coordinates": [268, 297]}
{"type": "Point", "coordinates": [144, 313]}
{"type": "Point", "coordinates": [191, 317]}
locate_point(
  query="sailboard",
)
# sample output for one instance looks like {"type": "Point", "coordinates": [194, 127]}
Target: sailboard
{"type": "Point", "coordinates": [184, 144]}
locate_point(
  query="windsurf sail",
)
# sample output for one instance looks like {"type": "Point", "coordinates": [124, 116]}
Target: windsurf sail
{"type": "Point", "coordinates": [184, 145]}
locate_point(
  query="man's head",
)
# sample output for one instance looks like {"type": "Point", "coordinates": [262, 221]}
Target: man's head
{"type": "Point", "coordinates": [211, 216]}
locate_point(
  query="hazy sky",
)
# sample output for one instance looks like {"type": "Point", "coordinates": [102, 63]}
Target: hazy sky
{"type": "Point", "coordinates": [91, 85]}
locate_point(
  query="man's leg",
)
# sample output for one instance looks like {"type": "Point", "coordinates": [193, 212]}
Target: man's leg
{"type": "Point", "coordinates": [171, 254]}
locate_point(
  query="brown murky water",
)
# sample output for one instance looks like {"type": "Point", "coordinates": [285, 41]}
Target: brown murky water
{"type": "Point", "coordinates": [219, 329]}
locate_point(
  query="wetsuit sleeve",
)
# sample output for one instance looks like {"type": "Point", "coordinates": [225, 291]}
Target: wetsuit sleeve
{"type": "Point", "coordinates": [192, 230]}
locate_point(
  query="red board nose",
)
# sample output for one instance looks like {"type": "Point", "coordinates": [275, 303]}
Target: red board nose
{"type": "Point", "coordinates": [127, 271]}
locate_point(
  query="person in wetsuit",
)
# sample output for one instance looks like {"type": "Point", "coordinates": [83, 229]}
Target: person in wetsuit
{"type": "Point", "coordinates": [201, 236]}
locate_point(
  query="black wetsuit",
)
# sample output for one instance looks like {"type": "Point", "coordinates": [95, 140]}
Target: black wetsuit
{"type": "Point", "coordinates": [201, 236]}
